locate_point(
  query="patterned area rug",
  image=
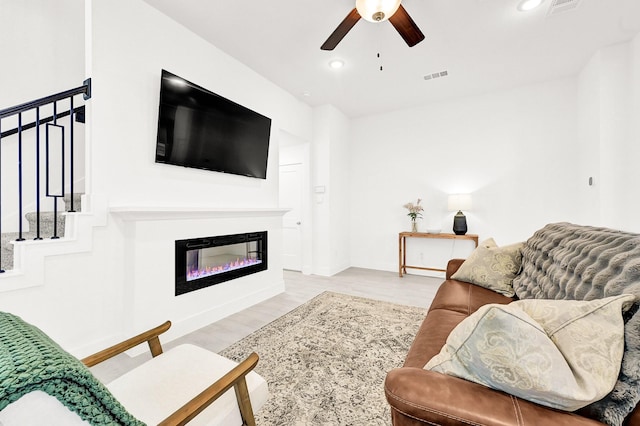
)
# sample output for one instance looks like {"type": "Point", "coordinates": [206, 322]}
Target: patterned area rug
{"type": "Point", "coordinates": [325, 362]}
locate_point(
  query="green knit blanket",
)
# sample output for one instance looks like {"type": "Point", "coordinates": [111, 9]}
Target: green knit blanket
{"type": "Point", "coordinates": [30, 360]}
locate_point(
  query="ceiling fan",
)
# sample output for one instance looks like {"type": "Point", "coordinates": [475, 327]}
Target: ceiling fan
{"type": "Point", "coordinates": [377, 11]}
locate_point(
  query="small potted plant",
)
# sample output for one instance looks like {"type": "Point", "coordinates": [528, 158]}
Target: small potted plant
{"type": "Point", "coordinates": [414, 213]}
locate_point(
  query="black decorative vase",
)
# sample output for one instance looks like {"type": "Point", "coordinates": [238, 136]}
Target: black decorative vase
{"type": "Point", "coordinates": [459, 223]}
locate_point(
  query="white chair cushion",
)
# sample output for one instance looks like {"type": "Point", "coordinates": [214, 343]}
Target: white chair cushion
{"type": "Point", "coordinates": [155, 389]}
{"type": "Point", "coordinates": [38, 408]}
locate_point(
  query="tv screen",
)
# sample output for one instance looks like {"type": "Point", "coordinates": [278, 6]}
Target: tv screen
{"type": "Point", "coordinates": [200, 129]}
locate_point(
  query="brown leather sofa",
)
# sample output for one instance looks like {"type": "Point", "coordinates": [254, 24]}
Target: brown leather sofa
{"type": "Point", "coordinates": [419, 397]}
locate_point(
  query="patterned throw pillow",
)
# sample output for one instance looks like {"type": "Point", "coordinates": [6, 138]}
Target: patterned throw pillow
{"type": "Point", "coordinates": [564, 354]}
{"type": "Point", "coordinates": [492, 267]}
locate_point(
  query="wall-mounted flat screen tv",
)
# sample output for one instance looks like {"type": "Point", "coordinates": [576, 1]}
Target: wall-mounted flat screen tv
{"type": "Point", "coordinates": [200, 129]}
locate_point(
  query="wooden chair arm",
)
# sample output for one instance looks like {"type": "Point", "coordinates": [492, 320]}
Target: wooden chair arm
{"type": "Point", "coordinates": [235, 378]}
{"type": "Point", "coordinates": [149, 336]}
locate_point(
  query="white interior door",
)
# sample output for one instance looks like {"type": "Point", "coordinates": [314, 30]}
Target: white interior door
{"type": "Point", "coordinates": [291, 197]}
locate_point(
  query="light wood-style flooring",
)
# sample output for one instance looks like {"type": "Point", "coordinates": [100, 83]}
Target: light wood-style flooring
{"type": "Point", "coordinates": [411, 290]}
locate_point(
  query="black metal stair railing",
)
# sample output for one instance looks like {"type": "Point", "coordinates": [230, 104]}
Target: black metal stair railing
{"type": "Point", "coordinates": [54, 150]}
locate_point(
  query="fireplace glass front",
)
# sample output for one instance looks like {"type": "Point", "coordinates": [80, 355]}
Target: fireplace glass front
{"type": "Point", "coordinates": [202, 262]}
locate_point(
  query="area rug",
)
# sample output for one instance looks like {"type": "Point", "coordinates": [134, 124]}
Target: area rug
{"type": "Point", "coordinates": [325, 361]}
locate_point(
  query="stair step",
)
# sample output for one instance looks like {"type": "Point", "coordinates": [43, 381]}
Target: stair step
{"type": "Point", "coordinates": [46, 223]}
{"type": "Point", "coordinates": [7, 248]}
{"type": "Point", "coordinates": [46, 229]}
{"type": "Point", "coordinates": [46, 232]}
{"type": "Point", "coordinates": [77, 202]}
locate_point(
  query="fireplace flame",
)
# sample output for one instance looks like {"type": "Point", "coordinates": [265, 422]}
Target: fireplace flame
{"type": "Point", "coordinates": [208, 271]}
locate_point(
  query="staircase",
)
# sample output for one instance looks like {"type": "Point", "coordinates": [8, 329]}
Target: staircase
{"type": "Point", "coordinates": [46, 229]}
{"type": "Point", "coordinates": [40, 135]}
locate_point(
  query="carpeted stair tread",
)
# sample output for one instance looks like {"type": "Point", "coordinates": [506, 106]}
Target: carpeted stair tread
{"type": "Point", "coordinates": [77, 200]}
{"type": "Point", "coordinates": [46, 232]}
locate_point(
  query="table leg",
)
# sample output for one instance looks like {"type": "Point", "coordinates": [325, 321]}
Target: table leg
{"type": "Point", "coordinates": [400, 263]}
{"type": "Point", "coordinates": [404, 255]}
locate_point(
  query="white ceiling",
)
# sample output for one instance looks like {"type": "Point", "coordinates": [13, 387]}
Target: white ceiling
{"type": "Point", "coordinates": [484, 45]}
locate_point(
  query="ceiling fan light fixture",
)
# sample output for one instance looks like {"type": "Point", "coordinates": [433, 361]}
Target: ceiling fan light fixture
{"type": "Point", "coordinates": [526, 5]}
{"type": "Point", "coordinates": [377, 10]}
{"type": "Point", "coordinates": [336, 64]}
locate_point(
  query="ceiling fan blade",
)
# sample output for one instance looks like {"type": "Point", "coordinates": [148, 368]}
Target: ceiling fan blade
{"type": "Point", "coordinates": [408, 29]}
{"type": "Point", "coordinates": [338, 34]}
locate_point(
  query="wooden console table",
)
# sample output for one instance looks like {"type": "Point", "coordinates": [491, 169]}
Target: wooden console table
{"type": "Point", "coordinates": [402, 247]}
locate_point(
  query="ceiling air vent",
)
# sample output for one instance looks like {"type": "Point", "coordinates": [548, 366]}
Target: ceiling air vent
{"type": "Point", "coordinates": [436, 75]}
{"type": "Point", "coordinates": [559, 6]}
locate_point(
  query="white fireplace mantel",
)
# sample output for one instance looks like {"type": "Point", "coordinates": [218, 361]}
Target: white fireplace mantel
{"type": "Point", "coordinates": [142, 213]}
{"type": "Point", "coordinates": [149, 259]}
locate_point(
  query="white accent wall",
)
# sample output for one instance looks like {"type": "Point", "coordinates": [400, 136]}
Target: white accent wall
{"type": "Point", "coordinates": [517, 152]}
{"type": "Point", "coordinates": [124, 282]}
{"type": "Point", "coordinates": [125, 67]}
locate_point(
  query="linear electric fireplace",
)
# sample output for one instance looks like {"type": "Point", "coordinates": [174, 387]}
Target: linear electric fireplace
{"type": "Point", "coordinates": [203, 262]}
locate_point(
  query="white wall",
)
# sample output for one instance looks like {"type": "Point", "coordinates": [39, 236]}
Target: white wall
{"type": "Point", "coordinates": [89, 299]}
{"type": "Point", "coordinates": [42, 45]}
{"type": "Point", "coordinates": [340, 196]}
{"type": "Point", "coordinates": [588, 107]}
{"type": "Point", "coordinates": [126, 65]}
{"type": "Point", "coordinates": [129, 71]}
{"type": "Point", "coordinates": [331, 172]}
{"type": "Point", "coordinates": [526, 156]}
{"type": "Point", "coordinates": [517, 153]}
{"type": "Point", "coordinates": [633, 154]}
{"type": "Point", "coordinates": [609, 88]}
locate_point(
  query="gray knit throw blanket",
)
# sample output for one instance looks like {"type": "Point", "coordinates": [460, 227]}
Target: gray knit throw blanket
{"type": "Point", "coordinates": [566, 261]}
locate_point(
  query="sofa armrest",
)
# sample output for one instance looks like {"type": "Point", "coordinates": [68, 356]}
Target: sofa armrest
{"type": "Point", "coordinates": [435, 398]}
{"type": "Point", "coordinates": [452, 267]}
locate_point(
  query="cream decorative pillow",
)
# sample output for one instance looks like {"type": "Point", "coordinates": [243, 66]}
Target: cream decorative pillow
{"type": "Point", "coordinates": [563, 354]}
{"type": "Point", "coordinates": [492, 267]}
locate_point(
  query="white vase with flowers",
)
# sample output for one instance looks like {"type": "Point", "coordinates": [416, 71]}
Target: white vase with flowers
{"type": "Point", "coordinates": [415, 212]}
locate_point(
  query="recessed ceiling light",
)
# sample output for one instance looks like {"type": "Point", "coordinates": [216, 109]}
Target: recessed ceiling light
{"type": "Point", "coordinates": [526, 5]}
{"type": "Point", "coordinates": [336, 64]}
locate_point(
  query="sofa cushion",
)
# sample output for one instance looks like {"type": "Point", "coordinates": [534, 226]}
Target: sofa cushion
{"type": "Point", "coordinates": [562, 354]}
{"type": "Point", "coordinates": [492, 267]}
{"type": "Point", "coordinates": [454, 301]}
{"type": "Point", "coordinates": [464, 297]}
